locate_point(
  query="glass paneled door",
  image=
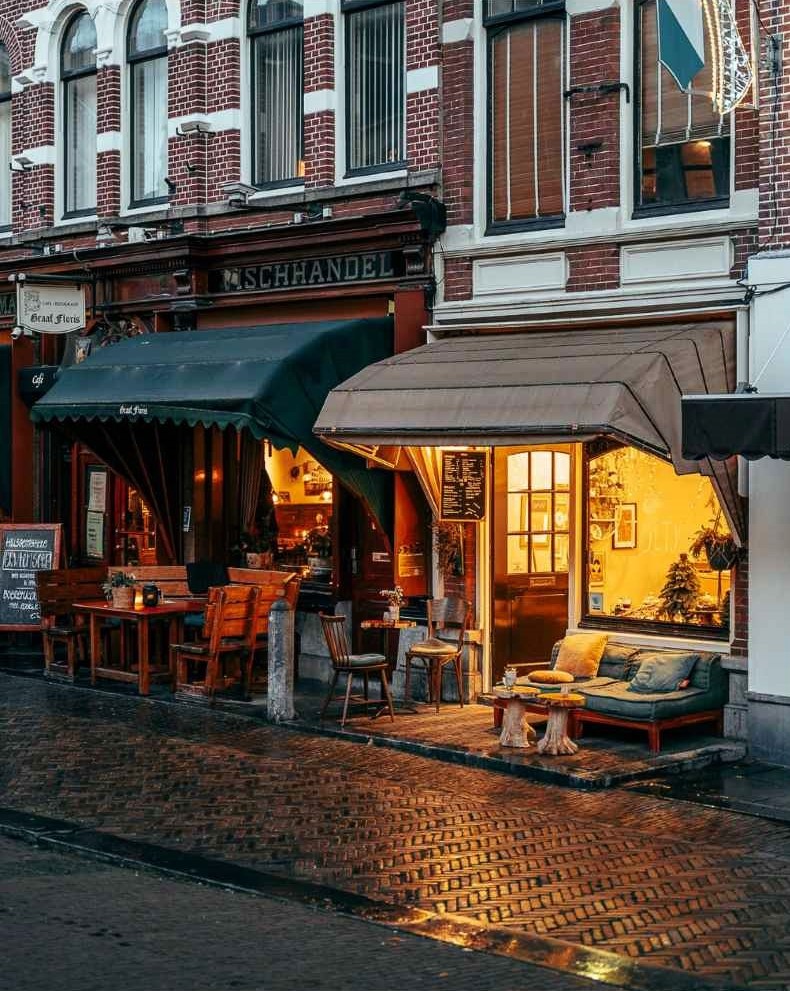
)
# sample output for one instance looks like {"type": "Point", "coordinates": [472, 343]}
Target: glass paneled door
{"type": "Point", "coordinates": [532, 523]}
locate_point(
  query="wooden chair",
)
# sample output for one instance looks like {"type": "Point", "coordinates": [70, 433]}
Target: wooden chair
{"type": "Point", "coordinates": [352, 664]}
{"type": "Point", "coordinates": [273, 585]}
{"type": "Point", "coordinates": [217, 661]}
{"type": "Point", "coordinates": [57, 592]}
{"type": "Point", "coordinates": [450, 615]}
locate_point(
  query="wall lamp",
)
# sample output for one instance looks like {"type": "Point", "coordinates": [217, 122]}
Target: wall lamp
{"type": "Point", "coordinates": [193, 127]}
{"type": "Point", "coordinates": [238, 193]}
{"type": "Point", "coordinates": [21, 163]}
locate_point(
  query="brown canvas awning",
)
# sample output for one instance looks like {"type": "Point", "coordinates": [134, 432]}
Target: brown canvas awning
{"type": "Point", "coordinates": [548, 386]}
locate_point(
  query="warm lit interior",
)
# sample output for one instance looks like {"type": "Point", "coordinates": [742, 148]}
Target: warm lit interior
{"type": "Point", "coordinates": [642, 521]}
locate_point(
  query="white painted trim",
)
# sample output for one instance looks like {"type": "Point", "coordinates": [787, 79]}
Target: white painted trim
{"type": "Point", "coordinates": [698, 259]}
{"type": "Point", "coordinates": [418, 80]}
{"type": "Point", "coordinates": [460, 30]}
{"type": "Point", "coordinates": [42, 155]}
{"type": "Point", "coordinates": [364, 180]}
{"type": "Point", "coordinates": [220, 120]}
{"type": "Point", "coordinates": [320, 101]}
{"type": "Point", "coordinates": [575, 7]}
{"type": "Point", "coordinates": [519, 274]}
{"type": "Point", "coordinates": [109, 141]}
{"type": "Point", "coordinates": [210, 31]}
{"type": "Point", "coordinates": [141, 211]}
{"type": "Point", "coordinates": [268, 194]}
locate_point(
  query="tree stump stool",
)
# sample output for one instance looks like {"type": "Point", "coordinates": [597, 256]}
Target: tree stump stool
{"type": "Point", "coordinates": [556, 740]}
{"type": "Point", "coordinates": [516, 732]}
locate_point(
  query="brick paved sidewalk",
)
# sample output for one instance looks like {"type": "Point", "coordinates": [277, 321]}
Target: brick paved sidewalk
{"type": "Point", "coordinates": [702, 890]}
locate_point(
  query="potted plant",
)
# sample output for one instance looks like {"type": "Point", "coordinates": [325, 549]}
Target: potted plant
{"type": "Point", "coordinates": [681, 590]}
{"type": "Point", "coordinates": [119, 589]}
{"type": "Point", "coordinates": [719, 546]}
{"type": "Point", "coordinates": [448, 548]}
{"type": "Point", "coordinates": [396, 599]}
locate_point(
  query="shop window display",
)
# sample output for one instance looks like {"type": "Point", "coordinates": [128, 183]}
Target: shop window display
{"type": "Point", "coordinates": [647, 533]}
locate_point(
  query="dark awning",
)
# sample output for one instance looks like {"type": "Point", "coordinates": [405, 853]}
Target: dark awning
{"type": "Point", "coordinates": [540, 387]}
{"type": "Point", "coordinates": [5, 428]}
{"type": "Point", "coordinates": [271, 380]}
{"type": "Point", "coordinates": [748, 424]}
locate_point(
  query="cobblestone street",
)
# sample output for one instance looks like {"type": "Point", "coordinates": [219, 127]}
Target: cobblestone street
{"type": "Point", "coordinates": [660, 882]}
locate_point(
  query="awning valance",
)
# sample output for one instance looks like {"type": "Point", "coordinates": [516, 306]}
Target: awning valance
{"type": "Point", "coordinates": [271, 380]}
{"type": "Point", "coordinates": [540, 387]}
{"type": "Point", "coordinates": [748, 424]}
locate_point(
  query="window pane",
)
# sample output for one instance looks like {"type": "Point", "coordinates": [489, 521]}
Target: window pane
{"type": "Point", "coordinates": [148, 27]}
{"type": "Point", "coordinates": [685, 143]}
{"type": "Point", "coordinates": [5, 156]}
{"type": "Point", "coordinates": [540, 512]}
{"type": "Point", "coordinates": [278, 105]}
{"type": "Point", "coordinates": [541, 469]}
{"type": "Point", "coordinates": [517, 555]}
{"type": "Point", "coordinates": [80, 104]}
{"type": "Point", "coordinates": [267, 13]}
{"type": "Point", "coordinates": [79, 45]}
{"type": "Point", "coordinates": [561, 544]}
{"type": "Point", "coordinates": [376, 92]}
{"type": "Point", "coordinates": [5, 73]}
{"type": "Point", "coordinates": [526, 120]}
{"type": "Point", "coordinates": [518, 471]}
{"type": "Point", "coordinates": [562, 471]}
{"type": "Point", "coordinates": [562, 510]}
{"type": "Point", "coordinates": [517, 512]}
{"type": "Point", "coordinates": [149, 107]}
{"type": "Point", "coordinates": [656, 516]}
{"type": "Point", "coordinates": [540, 557]}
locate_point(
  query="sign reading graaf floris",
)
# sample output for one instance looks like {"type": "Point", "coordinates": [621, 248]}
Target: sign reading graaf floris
{"type": "Point", "coordinates": [50, 309]}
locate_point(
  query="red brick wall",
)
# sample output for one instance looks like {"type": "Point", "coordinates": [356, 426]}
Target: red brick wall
{"type": "Point", "coordinates": [594, 117]}
{"type": "Point", "coordinates": [775, 134]}
{"type": "Point", "coordinates": [739, 618]}
{"type": "Point", "coordinates": [458, 131]}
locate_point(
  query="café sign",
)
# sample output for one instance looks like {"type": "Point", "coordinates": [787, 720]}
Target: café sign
{"type": "Point", "coordinates": [50, 309]}
{"type": "Point", "coordinates": [306, 272]}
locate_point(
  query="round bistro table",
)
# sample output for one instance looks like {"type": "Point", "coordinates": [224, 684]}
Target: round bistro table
{"type": "Point", "coordinates": [516, 732]}
{"type": "Point", "coordinates": [556, 740]}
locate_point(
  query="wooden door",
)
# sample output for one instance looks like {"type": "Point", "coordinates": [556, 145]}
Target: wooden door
{"type": "Point", "coordinates": [532, 514]}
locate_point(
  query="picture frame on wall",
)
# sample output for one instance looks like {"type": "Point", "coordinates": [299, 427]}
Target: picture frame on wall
{"type": "Point", "coordinates": [597, 567]}
{"type": "Point", "coordinates": [596, 601]}
{"type": "Point", "coordinates": [624, 534]}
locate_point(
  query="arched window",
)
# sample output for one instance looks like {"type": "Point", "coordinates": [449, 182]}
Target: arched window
{"type": "Point", "coordinates": [147, 56]}
{"type": "Point", "coordinates": [276, 60]}
{"type": "Point", "coordinates": [5, 138]}
{"type": "Point", "coordinates": [78, 79]}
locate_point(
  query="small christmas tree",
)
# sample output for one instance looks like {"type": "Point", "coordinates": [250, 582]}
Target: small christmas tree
{"type": "Point", "coordinates": [681, 589]}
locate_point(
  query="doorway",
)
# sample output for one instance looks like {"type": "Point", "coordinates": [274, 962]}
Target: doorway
{"type": "Point", "coordinates": [532, 532]}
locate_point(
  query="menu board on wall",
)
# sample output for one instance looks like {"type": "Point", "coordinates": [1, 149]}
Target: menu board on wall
{"type": "Point", "coordinates": [25, 549]}
{"type": "Point", "coordinates": [463, 495]}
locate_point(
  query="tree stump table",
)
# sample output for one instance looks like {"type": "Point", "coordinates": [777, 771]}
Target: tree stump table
{"type": "Point", "coordinates": [556, 740]}
{"type": "Point", "coordinates": [516, 732]}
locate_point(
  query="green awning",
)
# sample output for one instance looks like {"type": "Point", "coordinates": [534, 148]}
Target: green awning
{"type": "Point", "coordinates": [5, 428]}
{"type": "Point", "coordinates": [271, 380]}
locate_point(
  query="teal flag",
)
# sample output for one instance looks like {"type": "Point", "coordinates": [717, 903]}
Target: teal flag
{"type": "Point", "coordinates": [681, 39]}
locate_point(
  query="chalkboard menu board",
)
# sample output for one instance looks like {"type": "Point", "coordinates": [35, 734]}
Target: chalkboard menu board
{"type": "Point", "coordinates": [25, 549]}
{"type": "Point", "coordinates": [463, 485]}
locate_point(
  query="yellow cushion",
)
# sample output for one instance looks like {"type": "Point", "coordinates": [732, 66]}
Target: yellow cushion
{"type": "Point", "coordinates": [581, 653]}
{"type": "Point", "coordinates": [550, 677]}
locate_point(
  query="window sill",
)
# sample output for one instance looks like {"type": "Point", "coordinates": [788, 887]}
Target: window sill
{"type": "Point", "coordinates": [675, 209]}
{"type": "Point", "coordinates": [499, 228]}
{"type": "Point", "coordinates": [148, 206]}
{"type": "Point", "coordinates": [380, 174]}
{"type": "Point", "coordinates": [671, 631]}
{"type": "Point", "coordinates": [287, 192]}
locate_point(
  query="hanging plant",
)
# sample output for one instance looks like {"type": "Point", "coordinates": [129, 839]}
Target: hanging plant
{"type": "Point", "coordinates": [718, 545]}
{"type": "Point", "coordinates": [449, 548]}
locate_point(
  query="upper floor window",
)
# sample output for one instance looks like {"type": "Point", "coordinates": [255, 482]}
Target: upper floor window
{"type": "Point", "coordinates": [375, 85]}
{"type": "Point", "coordinates": [276, 43]}
{"type": "Point", "coordinates": [78, 79]}
{"type": "Point", "coordinates": [683, 152]}
{"type": "Point", "coordinates": [5, 138]}
{"type": "Point", "coordinates": [526, 83]}
{"type": "Point", "coordinates": [147, 55]}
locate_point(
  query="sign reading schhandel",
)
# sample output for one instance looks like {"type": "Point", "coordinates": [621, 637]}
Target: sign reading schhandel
{"type": "Point", "coordinates": [306, 272]}
{"type": "Point", "coordinates": [50, 309]}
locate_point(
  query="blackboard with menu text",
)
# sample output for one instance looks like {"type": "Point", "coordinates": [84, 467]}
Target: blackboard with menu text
{"type": "Point", "coordinates": [463, 485]}
{"type": "Point", "coordinates": [25, 548]}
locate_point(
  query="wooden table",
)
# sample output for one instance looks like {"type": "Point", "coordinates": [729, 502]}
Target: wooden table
{"type": "Point", "coordinates": [556, 740]}
{"type": "Point", "coordinates": [387, 626]}
{"type": "Point", "coordinates": [515, 731]}
{"type": "Point", "coordinates": [171, 611]}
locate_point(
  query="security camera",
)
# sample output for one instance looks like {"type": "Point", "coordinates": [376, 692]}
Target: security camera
{"type": "Point", "coordinates": [16, 333]}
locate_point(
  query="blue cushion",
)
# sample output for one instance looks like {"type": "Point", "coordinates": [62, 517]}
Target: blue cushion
{"type": "Point", "coordinates": [662, 671]}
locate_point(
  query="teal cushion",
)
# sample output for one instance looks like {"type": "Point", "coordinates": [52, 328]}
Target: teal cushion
{"type": "Point", "coordinates": [365, 660]}
{"type": "Point", "coordinates": [618, 700]}
{"type": "Point", "coordinates": [616, 661]}
{"type": "Point", "coordinates": [662, 670]}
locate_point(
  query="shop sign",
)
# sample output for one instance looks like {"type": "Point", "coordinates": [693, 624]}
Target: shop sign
{"type": "Point", "coordinates": [50, 309]}
{"type": "Point", "coordinates": [35, 380]}
{"type": "Point", "coordinates": [463, 494]}
{"type": "Point", "coordinates": [7, 304]}
{"type": "Point", "coordinates": [305, 272]}
{"type": "Point", "coordinates": [24, 550]}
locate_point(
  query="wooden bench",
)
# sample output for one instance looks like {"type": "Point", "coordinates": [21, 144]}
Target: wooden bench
{"type": "Point", "coordinates": [273, 585]}
{"type": "Point", "coordinates": [170, 578]}
{"type": "Point", "coordinates": [57, 592]}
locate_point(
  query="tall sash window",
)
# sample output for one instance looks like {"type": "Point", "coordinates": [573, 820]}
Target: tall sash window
{"type": "Point", "coordinates": [78, 81]}
{"type": "Point", "coordinates": [147, 57]}
{"type": "Point", "coordinates": [526, 118]}
{"type": "Point", "coordinates": [5, 139]}
{"type": "Point", "coordinates": [375, 85]}
{"type": "Point", "coordinates": [277, 60]}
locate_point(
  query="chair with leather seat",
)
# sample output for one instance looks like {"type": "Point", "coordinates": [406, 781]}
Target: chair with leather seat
{"type": "Point", "coordinates": [352, 665]}
{"type": "Point", "coordinates": [448, 619]}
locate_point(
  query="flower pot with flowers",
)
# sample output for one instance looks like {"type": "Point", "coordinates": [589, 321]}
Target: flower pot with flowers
{"type": "Point", "coordinates": [119, 589]}
{"type": "Point", "coordinates": [395, 599]}
{"type": "Point", "coordinates": [718, 545]}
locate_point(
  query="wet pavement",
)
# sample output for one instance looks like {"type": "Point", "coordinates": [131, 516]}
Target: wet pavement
{"type": "Point", "coordinates": [666, 887]}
